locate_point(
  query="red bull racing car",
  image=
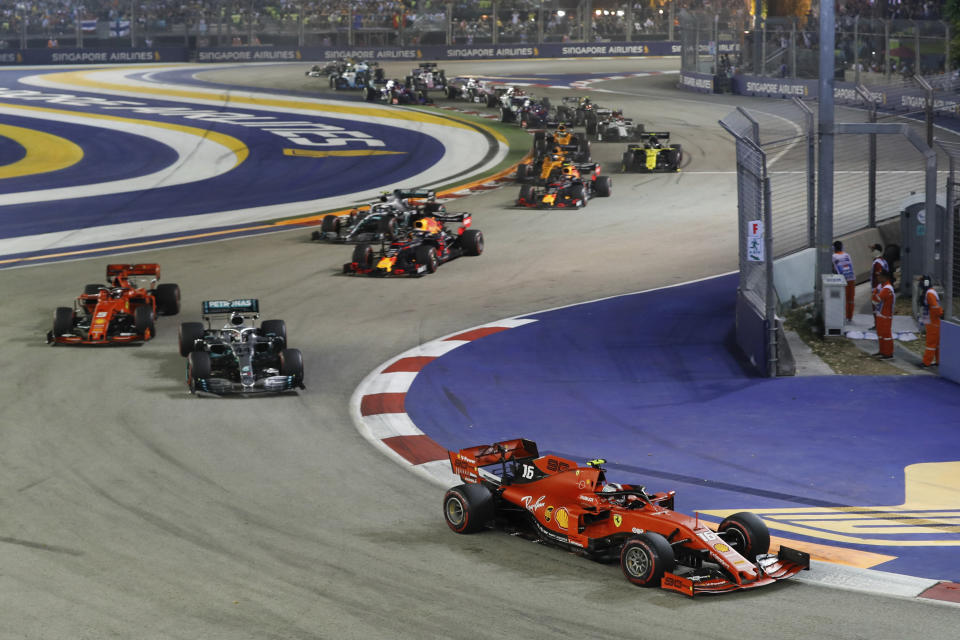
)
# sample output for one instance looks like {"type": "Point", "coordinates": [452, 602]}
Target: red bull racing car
{"type": "Point", "coordinates": [421, 251]}
{"type": "Point", "coordinates": [560, 502]}
{"type": "Point", "coordinates": [122, 311]}
{"type": "Point", "coordinates": [571, 188]}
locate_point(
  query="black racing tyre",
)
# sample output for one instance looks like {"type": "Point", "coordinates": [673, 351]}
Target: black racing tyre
{"type": "Point", "coordinates": [539, 141]}
{"type": "Point", "coordinates": [468, 508]}
{"type": "Point", "coordinates": [472, 242]}
{"type": "Point", "coordinates": [526, 194]}
{"type": "Point", "coordinates": [363, 256]}
{"type": "Point", "coordinates": [522, 172]}
{"type": "Point", "coordinates": [143, 321]}
{"type": "Point", "coordinates": [491, 100]}
{"type": "Point", "coordinates": [370, 94]}
{"type": "Point", "coordinates": [626, 163]}
{"type": "Point", "coordinates": [580, 193]}
{"type": "Point", "coordinates": [679, 150]}
{"type": "Point", "coordinates": [645, 558]}
{"type": "Point", "coordinates": [506, 115]}
{"type": "Point", "coordinates": [426, 255]}
{"type": "Point", "coordinates": [198, 368]}
{"type": "Point", "coordinates": [388, 227]}
{"type": "Point", "coordinates": [333, 82]}
{"type": "Point", "coordinates": [591, 124]}
{"type": "Point", "coordinates": [583, 150]}
{"type": "Point", "coordinates": [451, 93]}
{"type": "Point", "coordinates": [546, 103]}
{"type": "Point", "coordinates": [291, 364]}
{"type": "Point", "coordinates": [746, 533]}
{"type": "Point", "coordinates": [62, 321]}
{"type": "Point", "coordinates": [168, 299]}
{"type": "Point", "coordinates": [315, 235]}
{"type": "Point", "coordinates": [276, 328]}
{"type": "Point", "coordinates": [91, 289]}
{"type": "Point", "coordinates": [188, 335]}
{"type": "Point", "coordinates": [330, 224]}
{"type": "Point", "coordinates": [603, 186]}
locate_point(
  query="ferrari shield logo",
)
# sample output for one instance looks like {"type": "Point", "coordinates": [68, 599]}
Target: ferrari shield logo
{"type": "Point", "coordinates": [617, 519]}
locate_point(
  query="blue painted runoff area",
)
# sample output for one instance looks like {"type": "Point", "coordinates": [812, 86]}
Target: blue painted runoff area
{"type": "Point", "coordinates": [650, 382]}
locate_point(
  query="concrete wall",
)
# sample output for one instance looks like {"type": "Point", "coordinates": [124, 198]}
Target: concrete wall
{"type": "Point", "coordinates": [793, 276]}
{"type": "Point", "coordinates": [950, 350]}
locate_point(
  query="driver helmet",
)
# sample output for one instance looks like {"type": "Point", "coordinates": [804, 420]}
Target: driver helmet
{"type": "Point", "coordinates": [236, 318]}
{"type": "Point", "coordinates": [390, 84]}
{"type": "Point", "coordinates": [654, 142]}
{"type": "Point", "coordinates": [611, 487]}
{"type": "Point", "coordinates": [568, 170]}
{"type": "Point", "coordinates": [510, 91]}
{"type": "Point", "coordinates": [562, 128]}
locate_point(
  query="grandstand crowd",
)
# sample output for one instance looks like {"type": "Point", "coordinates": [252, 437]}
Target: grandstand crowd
{"type": "Point", "coordinates": [516, 20]}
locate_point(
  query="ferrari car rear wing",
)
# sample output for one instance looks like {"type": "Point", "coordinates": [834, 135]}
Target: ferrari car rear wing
{"type": "Point", "coordinates": [466, 463]}
{"type": "Point", "coordinates": [146, 269]}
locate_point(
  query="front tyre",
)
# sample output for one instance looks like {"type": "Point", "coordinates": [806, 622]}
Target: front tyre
{"type": "Point", "coordinates": [62, 321]}
{"type": "Point", "coordinates": [645, 558]}
{"type": "Point", "coordinates": [468, 508]}
{"type": "Point", "coordinates": [143, 322]}
{"type": "Point", "coordinates": [198, 369]}
{"type": "Point", "coordinates": [291, 364]}
{"type": "Point", "coordinates": [746, 533]}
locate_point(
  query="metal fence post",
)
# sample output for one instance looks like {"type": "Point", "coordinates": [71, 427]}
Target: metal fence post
{"type": "Point", "coordinates": [771, 310]}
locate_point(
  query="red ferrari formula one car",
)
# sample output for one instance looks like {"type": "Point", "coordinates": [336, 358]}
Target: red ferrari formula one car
{"type": "Point", "coordinates": [122, 311]}
{"type": "Point", "coordinates": [575, 507]}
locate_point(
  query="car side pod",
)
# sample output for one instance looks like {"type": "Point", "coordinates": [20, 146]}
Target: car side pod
{"type": "Point", "coordinates": [772, 567]}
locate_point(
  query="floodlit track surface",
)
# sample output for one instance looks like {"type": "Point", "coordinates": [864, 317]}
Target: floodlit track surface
{"type": "Point", "coordinates": [131, 509]}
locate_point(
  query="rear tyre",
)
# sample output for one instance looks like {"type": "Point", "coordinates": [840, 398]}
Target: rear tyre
{"type": "Point", "coordinates": [143, 322]}
{"type": "Point", "coordinates": [198, 369]}
{"type": "Point", "coordinates": [189, 333]}
{"type": "Point", "coordinates": [472, 242]}
{"type": "Point", "coordinates": [62, 321]}
{"type": "Point", "coordinates": [626, 163]}
{"type": "Point", "coordinates": [522, 172]}
{"type": "Point", "coordinates": [388, 227]}
{"type": "Point", "coordinates": [363, 256]}
{"type": "Point", "coordinates": [91, 289]}
{"type": "Point", "coordinates": [168, 299]}
{"type": "Point", "coordinates": [506, 115]}
{"type": "Point", "coordinates": [330, 224]}
{"type": "Point", "coordinates": [746, 533]}
{"type": "Point", "coordinates": [426, 255]}
{"type": "Point", "coordinates": [603, 186]}
{"type": "Point", "coordinates": [468, 508]}
{"type": "Point", "coordinates": [645, 558]}
{"type": "Point", "coordinates": [276, 328]}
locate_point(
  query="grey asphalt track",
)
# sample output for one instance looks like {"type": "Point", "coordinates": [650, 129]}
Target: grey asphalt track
{"type": "Point", "coordinates": [130, 509]}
